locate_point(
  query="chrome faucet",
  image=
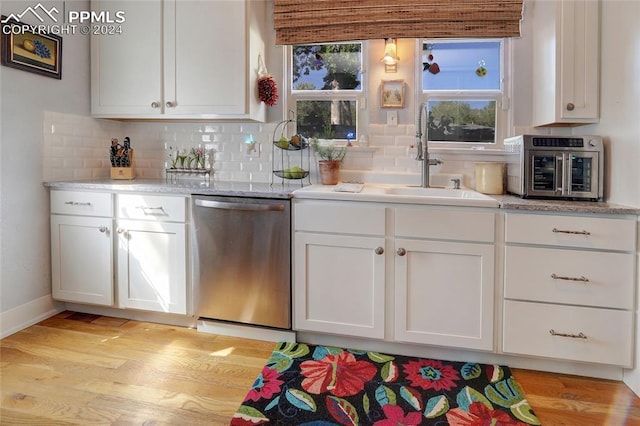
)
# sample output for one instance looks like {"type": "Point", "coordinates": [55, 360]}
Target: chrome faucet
{"type": "Point", "coordinates": [423, 149]}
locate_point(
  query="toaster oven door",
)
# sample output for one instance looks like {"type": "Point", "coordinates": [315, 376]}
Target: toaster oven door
{"type": "Point", "coordinates": [563, 174]}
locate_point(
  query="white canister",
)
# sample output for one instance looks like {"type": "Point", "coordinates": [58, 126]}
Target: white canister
{"type": "Point", "coordinates": [490, 178]}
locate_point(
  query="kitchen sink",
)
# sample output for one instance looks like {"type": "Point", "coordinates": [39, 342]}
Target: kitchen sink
{"type": "Point", "coordinates": [416, 191]}
{"type": "Point", "coordinates": [402, 194]}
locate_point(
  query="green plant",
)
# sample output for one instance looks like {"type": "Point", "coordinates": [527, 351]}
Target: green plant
{"type": "Point", "coordinates": [328, 151]}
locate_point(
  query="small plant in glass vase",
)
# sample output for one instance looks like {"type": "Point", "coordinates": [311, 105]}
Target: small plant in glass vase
{"type": "Point", "coordinates": [331, 156]}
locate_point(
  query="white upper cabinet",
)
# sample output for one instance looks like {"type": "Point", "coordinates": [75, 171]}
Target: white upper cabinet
{"type": "Point", "coordinates": [566, 61]}
{"type": "Point", "coordinates": [179, 59]}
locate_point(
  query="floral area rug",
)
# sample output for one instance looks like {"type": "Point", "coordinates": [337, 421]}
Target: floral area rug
{"type": "Point", "coordinates": [318, 385]}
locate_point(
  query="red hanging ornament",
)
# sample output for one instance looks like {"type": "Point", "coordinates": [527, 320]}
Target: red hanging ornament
{"type": "Point", "coordinates": [267, 86]}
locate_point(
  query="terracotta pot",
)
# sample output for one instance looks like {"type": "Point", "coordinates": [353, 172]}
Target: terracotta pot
{"type": "Point", "coordinates": [329, 172]}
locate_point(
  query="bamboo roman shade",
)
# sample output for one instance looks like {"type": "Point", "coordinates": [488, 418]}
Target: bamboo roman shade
{"type": "Point", "coordinates": [322, 21]}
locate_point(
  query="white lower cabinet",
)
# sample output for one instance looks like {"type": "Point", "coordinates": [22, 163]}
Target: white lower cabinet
{"type": "Point", "coordinates": [347, 256]}
{"type": "Point", "coordinates": [444, 290]}
{"type": "Point", "coordinates": [152, 266]}
{"type": "Point", "coordinates": [82, 259]}
{"type": "Point", "coordinates": [569, 287]}
{"type": "Point", "coordinates": [574, 333]}
{"type": "Point", "coordinates": [136, 260]}
{"type": "Point", "coordinates": [339, 268]}
{"type": "Point", "coordinates": [339, 284]}
{"type": "Point", "coordinates": [444, 293]}
{"type": "Point", "coordinates": [82, 247]}
{"type": "Point", "coordinates": [152, 256]}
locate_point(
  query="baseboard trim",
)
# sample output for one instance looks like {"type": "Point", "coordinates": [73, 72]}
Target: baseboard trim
{"type": "Point", "coordinates": [28, 314]}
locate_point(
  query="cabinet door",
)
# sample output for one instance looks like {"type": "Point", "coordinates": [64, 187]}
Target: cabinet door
{"type": "Point", "coordinates": [339, 284]}
{"type": "Point", "coordinates": [152, 266]}
{"type": "Point", "coordinates": [579, 50]}
{"type": "Point", "coordinates": [206, 69]}
{"type": "Point", "coordinates": [82, 259]}
{"type": "Point", "coordinates": [126, 68]}
{"type": "Point", "coordinates": [566, 46]}
{"type": "Point", "coordinates": [444, 293]}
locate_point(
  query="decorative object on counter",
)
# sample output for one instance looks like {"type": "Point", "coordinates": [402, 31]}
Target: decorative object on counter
{"type": "Point", "coordinates": [267, 86]}
{"type": "Point", "coordinates": [121, 157]}
{"type": "Point", "coordinates": [308, 384]}
{"type": "Point", "coordinates": [490, 178]}
{"type": "Point", "coordinates": [331, 157]}
{"type": "Point", "coordinates": [292, 163]}
{"type": "Point", "coordinates": [191, 162]}
{"type": "Point", "coordinates": [23, 49]}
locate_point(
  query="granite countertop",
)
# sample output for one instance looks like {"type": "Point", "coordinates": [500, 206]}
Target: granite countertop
{"type": "Point", "coordinates": [181, 187]}
{"type": "Point", "coordinates": [512, 202]}
{"type": "Point", "coordinates": [278, 190]}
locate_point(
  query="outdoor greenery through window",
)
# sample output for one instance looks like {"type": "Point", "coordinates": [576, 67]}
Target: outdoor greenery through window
{"type": "Point", "coordinates": [325, 82]}
{"type": "Point", "coordinates": [462, 87]}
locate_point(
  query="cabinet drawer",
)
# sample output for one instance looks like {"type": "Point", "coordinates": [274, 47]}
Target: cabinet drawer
{"type": "Point", "coordinates": [152, 207]}
{"type": "Point", "coordinates": [82, 203]}
{"type": "Point", "coordinates": [447, 224]}
{"type": "Point", "coordinates": [575, 277]}
{"type": "Point", "coordinates": [609, 333]}
{"type": "Point", "coordinates": [571, 231]}
{"type": "Point", "coordinates": [336, 217]}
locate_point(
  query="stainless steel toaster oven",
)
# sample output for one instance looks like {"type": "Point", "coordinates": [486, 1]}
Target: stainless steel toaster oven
{"type": "Point", "coordinates": [564, 167]}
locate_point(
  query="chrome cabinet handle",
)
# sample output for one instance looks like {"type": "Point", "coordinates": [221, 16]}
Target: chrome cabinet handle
{"type": "Point", "coordinates": [379, 250]}
{"type": "Point", "coordinates": [155, 104]}
{"type": "Point", "coordinates": [77, 204]}
{"type": "Point", "coordinates": [120, 231]}
{"type": "Point", "coordinates": [560, 277]}
{"type": "Point", "coordinates": [145, 208]}
{"type": "Point", "coordinates": [103, 229]}
{"type": "Point", "coordinates": [401, 251]}
{"type": "Point", "coordinates": [171, 104]}
{"type": "Point", "coordinates": [570, 106]}
{"type": "Point", "coordinates": [580, 335]}
{"type": "Point", "coordinates": [562, 231]}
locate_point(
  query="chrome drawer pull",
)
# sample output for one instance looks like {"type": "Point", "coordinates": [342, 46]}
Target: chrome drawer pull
{"type": "Point", "coordinates": [561, 231]}
{"type": "Point", "coordinates": [75, 203]}
{"type": "Point", "coordinates": [145, 208]}
{"type": "Point", "coordinates": [560, 277]}
{"type": "Point", "coordinates": [580, 335]}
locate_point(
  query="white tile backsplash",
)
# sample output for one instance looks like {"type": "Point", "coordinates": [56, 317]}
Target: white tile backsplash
{"type": "Point", "coordinates": [77, 147]}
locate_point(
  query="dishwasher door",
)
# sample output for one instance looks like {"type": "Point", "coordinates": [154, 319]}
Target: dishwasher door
{"type": "Point", "coordinates": [242, 264]}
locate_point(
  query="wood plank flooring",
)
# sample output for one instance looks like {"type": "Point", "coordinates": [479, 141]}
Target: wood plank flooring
{"type": "Point", "coordinates": [85, 369]}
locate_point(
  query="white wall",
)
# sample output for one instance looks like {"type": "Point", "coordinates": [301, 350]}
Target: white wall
{"type": "Point", "coordinates": [620, 99]}
{"type": "Point", "coordinates": [24, 220]}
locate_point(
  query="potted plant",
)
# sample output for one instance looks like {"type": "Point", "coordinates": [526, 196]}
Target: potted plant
{"type": "Point", "coordinates": [331, 157]}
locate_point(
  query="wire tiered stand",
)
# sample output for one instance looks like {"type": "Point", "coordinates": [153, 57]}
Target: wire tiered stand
{"type": "Point", "coordinates": [291, 158]}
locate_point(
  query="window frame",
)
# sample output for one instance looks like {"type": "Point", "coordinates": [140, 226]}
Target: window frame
{"type": "Point", "coordinates": [504, 113]}
{"type": "Point", "coordinates": [355, 95]}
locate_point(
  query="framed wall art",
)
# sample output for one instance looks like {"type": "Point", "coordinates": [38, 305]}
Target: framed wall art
{"type": "Point", "coordinates": [35, 52]}
{"type": "Point", "coordinates": [392, 94]}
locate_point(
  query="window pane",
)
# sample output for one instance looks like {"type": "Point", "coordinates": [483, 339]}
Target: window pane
{"type": "Point", "coordinates": [327, 67]}
{"type": "Point", "coordinates": [461, 121]}
{"type": "Point", "coordinates": [461, 66]}
{"type": "Point", "coordinates": [327, 119]}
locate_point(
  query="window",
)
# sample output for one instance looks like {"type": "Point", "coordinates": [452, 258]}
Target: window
{"type": "Point", "coordinates": [326, 81]}
{"type": "Point", "coordinates": [462, 88]}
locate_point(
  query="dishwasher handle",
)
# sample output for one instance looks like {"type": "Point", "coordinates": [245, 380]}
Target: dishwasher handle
{"type": "Point", "coordinates": [239, 206]}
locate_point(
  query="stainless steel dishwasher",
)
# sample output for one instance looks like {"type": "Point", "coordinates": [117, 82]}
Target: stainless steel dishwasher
{"type": "Point", "coordinates": [242, 264]}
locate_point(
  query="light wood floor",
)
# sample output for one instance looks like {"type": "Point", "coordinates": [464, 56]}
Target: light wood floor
{"type": "Point", "coordinates": [85, 369]}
